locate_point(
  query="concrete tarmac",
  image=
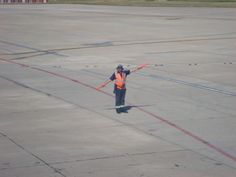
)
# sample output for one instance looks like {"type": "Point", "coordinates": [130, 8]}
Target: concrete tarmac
{"type": "Point", "coordinates": [181, 108]}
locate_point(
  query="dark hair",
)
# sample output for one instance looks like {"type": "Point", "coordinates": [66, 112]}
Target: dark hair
{"type": "Point", "coordinates": [119, 67]}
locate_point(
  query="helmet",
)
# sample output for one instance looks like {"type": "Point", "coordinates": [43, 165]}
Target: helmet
{"type": "Point", "coordinates": [120, 67]}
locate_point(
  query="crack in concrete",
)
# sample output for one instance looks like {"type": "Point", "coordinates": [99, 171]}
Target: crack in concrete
{"type": "Point", "coordinates": [32, 154]}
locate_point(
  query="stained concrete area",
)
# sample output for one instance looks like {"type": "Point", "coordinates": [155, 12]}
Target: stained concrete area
{"type": "Point", "coordinates": [181, 119]}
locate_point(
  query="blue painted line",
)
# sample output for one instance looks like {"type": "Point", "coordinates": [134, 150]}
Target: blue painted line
{"type": "Point", "coordinates": [191, 84]}
{"type": "Point", "coordinates": [27, 47]}
{"type": "Point", "coordinates": [19, 45]}
{"type": "Point", "coordinates": [106, 43]}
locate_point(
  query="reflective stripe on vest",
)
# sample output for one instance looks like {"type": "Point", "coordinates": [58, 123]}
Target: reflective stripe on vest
{"type": "Point", "coordinates": [120, 80]}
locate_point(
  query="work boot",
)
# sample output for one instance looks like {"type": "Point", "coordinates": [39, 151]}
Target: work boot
{"type": "Point", "coordinates": [118, 111]}
{"type": "Point", "coordinates": [123, 109]}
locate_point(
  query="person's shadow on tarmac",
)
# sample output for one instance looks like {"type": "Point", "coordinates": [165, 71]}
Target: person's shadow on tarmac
{"type": "Point", "coordinates": [126, 109]}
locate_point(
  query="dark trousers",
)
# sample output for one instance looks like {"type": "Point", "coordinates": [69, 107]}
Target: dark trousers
{"type": "Point", "coordinates": [120, 96]}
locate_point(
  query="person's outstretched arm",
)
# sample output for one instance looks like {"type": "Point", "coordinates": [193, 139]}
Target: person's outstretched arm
{"type": "Point", "coordinates": [107, 82]}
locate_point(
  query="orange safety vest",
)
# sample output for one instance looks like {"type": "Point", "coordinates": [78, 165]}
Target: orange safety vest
{"type": "Point", "coordinates": [120, 80]}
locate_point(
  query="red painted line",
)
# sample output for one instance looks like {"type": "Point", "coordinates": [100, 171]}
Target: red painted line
{"type": "Point", "coordinates": [189, 134]}
{"type": "Point", "coordinates": [186, 132]}
{"type": "Point", "coordinates": [10, 61]}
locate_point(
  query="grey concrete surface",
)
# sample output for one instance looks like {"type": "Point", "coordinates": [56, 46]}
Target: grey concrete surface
{"type": "Point", "coordinates": [54, 123]}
